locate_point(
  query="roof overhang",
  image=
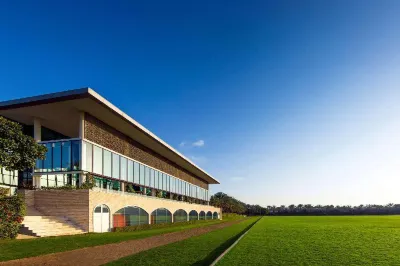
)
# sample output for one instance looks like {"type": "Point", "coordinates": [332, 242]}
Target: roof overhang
{"type": "Point", "coordinates": [61, 110]}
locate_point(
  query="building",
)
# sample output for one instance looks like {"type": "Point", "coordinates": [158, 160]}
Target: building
{"type": "Point", "coordinates": [139, 178]}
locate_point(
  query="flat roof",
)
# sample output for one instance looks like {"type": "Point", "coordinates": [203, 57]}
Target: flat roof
{"type": "Point", "coordinates": [148, 139]}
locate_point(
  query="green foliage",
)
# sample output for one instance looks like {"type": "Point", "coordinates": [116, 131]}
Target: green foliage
{"type": "Point", "coordinates": [231, 205]}
{"type": "Point", "coordinates": [89, 182]}
{"type": "Point", "coordinates": [159, 193]}
{"type": "Point", "coordinates": [153, 226]}
{"type": "Point", "coordinates": [199, 250]}
{"type": "Point", "coordinates": [12, 211]}
{"type": "Point", "coordinates": [129, 188]}
{"type": "Point", "coordinates": [319, 240]}
{"type": "Point", "coordinates": [4, 191]}
{"type": "Point", "coordinates": [17, 151]}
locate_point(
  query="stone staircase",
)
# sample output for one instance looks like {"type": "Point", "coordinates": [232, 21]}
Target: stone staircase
{"type": "Point", "coordinates": [39, 225]}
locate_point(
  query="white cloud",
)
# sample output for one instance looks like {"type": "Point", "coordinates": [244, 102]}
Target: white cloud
{"type": "Point", "coordinates": [182, 144]}
{"type": "Point", "coordinates": [199, 143]}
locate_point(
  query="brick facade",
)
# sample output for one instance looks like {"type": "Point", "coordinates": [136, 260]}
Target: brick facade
{"type": "Point", "coordinates": [106, 136]}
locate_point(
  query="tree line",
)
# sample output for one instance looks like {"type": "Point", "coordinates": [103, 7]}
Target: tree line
{"type": "Point", "coordinates": [231, 205]}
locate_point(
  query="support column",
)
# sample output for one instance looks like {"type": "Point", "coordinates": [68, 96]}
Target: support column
{"type": "Point", "coordinates": [81, 125]}
{"type": "Point", "coordinates": [122, 186]}
{"type": "Point", "coordinates": [37, 129]}
{"type": "Point", "coordinates": [36, 181]}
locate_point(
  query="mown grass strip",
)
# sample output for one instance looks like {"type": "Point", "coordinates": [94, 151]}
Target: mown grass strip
{"type": "Point", "coordinates": [231, 246]}
{"type": "Point", "coordinates": [200, 250]}
{"type": "Point", "coordinates": [17, 249]}
{"type": "Point", "coordinates": [323, 240]}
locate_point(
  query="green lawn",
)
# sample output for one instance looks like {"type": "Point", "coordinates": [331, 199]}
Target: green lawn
{"type": "Point", "coordinates": [200, 250]}
{"type": "Point", "coordinates": [351, 240]}
{"type": "Point", "coordinates": [15, 249]}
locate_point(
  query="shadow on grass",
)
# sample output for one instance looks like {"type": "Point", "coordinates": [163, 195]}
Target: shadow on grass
{"type": "Point", "coordinates": [224, 246]}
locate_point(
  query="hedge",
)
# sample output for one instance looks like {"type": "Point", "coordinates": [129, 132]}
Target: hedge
{"type": "Point", "coordinates": [12, 211]}
{"type": "Point", "coordinates": [132, 228]}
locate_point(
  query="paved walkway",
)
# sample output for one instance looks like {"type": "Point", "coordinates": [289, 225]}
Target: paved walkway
{"type": "Point", "coordinates": [99, 255]}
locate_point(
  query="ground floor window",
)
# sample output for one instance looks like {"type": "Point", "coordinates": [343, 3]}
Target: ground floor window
{"type": "Point", "coordinates": [193, 215]}
{"type": "Point", "coordinates": [180, 216]}
{"type": "Point", "coordinates": [209, 216]}
{"type": "Point", "coordinates": [101, 219]}
{"type": "Point", "coordinates": [160, 216]}
{"type": "Point", "coordinates": [128, 216]}
{"type": "Point", "coordinates": [202, 215]}
{"type": "Point", "coordinates": [215, 215]}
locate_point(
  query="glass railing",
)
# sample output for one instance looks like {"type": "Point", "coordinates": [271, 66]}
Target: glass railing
{"type": "Point", "coordinates": [61, 156]}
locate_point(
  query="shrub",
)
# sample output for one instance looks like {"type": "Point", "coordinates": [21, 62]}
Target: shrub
{"type": "Point", "coordinates": [4, 191]}
{"type": "Point", "coordinates": [12, 211]}
{"type": "Point", "coordinates": [133, 228]}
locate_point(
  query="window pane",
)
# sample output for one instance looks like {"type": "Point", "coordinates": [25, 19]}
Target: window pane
{"type": "Point", "coordinates": [66, 155]}
{"type": "Point", "coordinates": [107, 163]}
{"type": "Point", "coordinates": [130, 171]}
{"type": "Point", "coordinates": [76, 155]}
{"type": "Point", "coordinates": [115, 166]}
{"type": "Point", "coordinates": [89, 157]}
{"type": "Point", "coordinates": [124, 168]}
{"type": "Point", "coordinates": [57, 156]}
{"type": "Point", "coordinates": [141, 174]}
{"type": "Point", "coordinates": [136, 173]}
{"type": "Point", "coordinates": [47, 165]}
{"type": "Point", "coordinates": [146, 176]}
{"type": "Point", "coordinates": [156, 182]}
{"type": "Point", "coordinates": [151, 183]}
{"type": "Point", "coordinates": [97, 160]}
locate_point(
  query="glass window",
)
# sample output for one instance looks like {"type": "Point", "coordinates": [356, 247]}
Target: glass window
{"type": "Point", "coordinates": [51, 180]}
{"type": "Point", "coordinates": [57, 156]}
{"type": "Point", "coordinates": [193, 215]}
{"type": "Point", "coordinates": [124, 168]}
{"type": "Point", "coordinates": [164, 182]}
{"type": "Point", "coordinates": [47, 164]}
{"type": "Point", "coordinates": [130, 171]}
{"type": "Point", "coordinates": [115, 166]}
{"type": "Point", "coordinates": [202, 215]}
{"type": "Point", "coordinates": [161, 216]}
{"type": "Point", "coordinates": [156, 181]}
{"type": "Point", "coordinates": [136, 178]}
{"type": "Point", "coordinates": [130, 216]}
{"type": "Point", "coordinates": [107, 163]}
{"type": "Point", "coordinates": [180, 216]}
{"type": "Point", "coordinates": [151, 183]}
{"type": "Point", "coordinates": [66, 156]}
{"type": "Point", "coordinates": [146, 176]}
{"type": "Point", "coordinates": [89, 157]}
{"type": "Point", "coordinates": [141, 174]}
{"type": "Point", "coordinates": [76, 154]}
{"type": "Point", "coordinates": [97, 160]}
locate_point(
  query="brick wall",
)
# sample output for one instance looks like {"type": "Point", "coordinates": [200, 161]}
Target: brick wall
{"type": "Point", "coordinates": [104, 135]}
{"type": "Point", "coordinates": [73, 205]}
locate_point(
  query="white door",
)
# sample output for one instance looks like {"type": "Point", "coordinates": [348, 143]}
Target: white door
{"type": "Point", "coordinates": [101, 219]}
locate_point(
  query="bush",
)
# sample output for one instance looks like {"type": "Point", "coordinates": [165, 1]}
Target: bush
{"type": "Point", "coordinates": [133, 228]}
{"type": "Point", "coordinates": [4, 191]}
{"type": "Point", "coordinates": [12, 212]}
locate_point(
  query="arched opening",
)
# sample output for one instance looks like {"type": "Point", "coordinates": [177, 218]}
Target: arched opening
{"type": "Point", "coordinates": [193, 215]}
{"type": "Point", "coordinates": [130, 216]}
{"type": "Point", "coordinates": [101, 219]}
{"type": "Point", "coordinates": [180, 216]}
{"type": "Point", "coordinates": [215, 215]}
{"type": "Point", "coordinates": [209, 215]}
{"type": "Point", "coordinates": [161, 216]}
{"type": "Point", "coordinates": [202, 215]}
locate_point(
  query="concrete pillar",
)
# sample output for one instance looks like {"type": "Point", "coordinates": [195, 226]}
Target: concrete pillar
{"type": "Point", "coordinates": [153, 192]}
{"type": "Point", "coordinates": [122, 186]}
{"type": "Point", "coordinates": [81, 125]}
{"type": "Point", "coordinates": [37, 129]}
{"type": "Point", "coordinates": [36, 181]}
{"type": "Point", "coordinates": [82, 179]}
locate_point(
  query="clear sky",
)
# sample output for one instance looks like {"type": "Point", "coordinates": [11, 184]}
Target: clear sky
{"type": "Point", "coordinates": [284, 102]}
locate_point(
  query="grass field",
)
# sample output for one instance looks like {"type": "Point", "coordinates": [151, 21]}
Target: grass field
{"type": "Point", "coordinates": [15, 249]}
{"type": "Point", "coordinates": [351, 240]}
{"type": "Point", "coordinates": [200, 250]}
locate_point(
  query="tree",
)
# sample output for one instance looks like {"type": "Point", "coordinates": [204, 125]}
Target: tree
{"type": "Point", "coordinates": [17, 151]}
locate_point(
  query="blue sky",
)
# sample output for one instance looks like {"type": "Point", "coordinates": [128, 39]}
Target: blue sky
{"type": "Point", "coordinates": [282, 101]}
